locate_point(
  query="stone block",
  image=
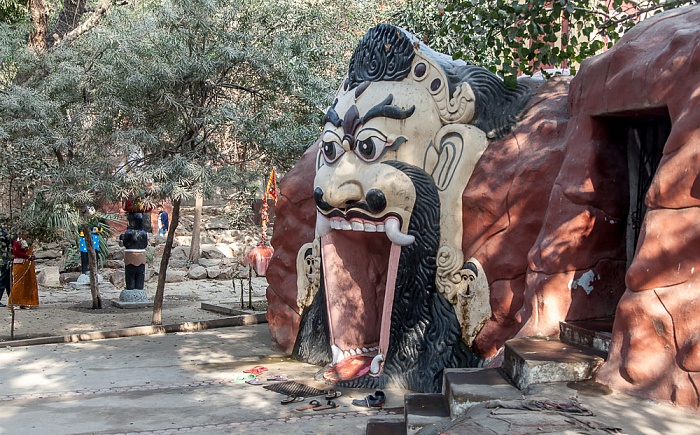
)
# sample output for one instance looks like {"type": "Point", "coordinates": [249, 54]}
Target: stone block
{"type": "Point", "coordinates": [216, 223]}
{"type": "Point", "coordinates": [386, 426]}
{"type": "Point", "coordinates": [175, 276]}
{"type": "Point", "coordinates": [536, 360]}
{"type": "Point", "coordinates": [49, 276]}
{"type": "Point", "coordinates": [47, 254]}
{"type": "Point", "coordinates": [425, 409]}
{"type": "Point", "coordinates": [595, 334]}
{"type": "Point", "coordinates": [466, 387]}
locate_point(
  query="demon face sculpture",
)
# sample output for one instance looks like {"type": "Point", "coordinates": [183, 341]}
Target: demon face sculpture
{"type": "Point", "coordinates": [385, 293]}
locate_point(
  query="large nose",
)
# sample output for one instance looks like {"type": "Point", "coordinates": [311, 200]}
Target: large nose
{"type": "Point", "coordinates": [343, 188]}
{"type": "Point", "coordinates": [341, 197]}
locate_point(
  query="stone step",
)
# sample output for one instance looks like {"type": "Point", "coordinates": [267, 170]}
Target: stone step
{"type": "Point", "coordinates": [386, 426]}
{"type": "Point", "coordinates": [464, 388]}
{"type": "Point", "coordinates": [595, 333]}
{"type": "Point", "coordinates": [425, 409]}
{"type": "Point", "coordinates": [538, 360]}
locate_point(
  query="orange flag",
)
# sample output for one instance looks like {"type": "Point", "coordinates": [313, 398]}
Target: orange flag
{"type": "Point", "coordinates": [271, 190]}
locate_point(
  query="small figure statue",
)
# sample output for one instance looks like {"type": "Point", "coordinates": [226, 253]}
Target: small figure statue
{"type": "Point", "coordinates": [135, 240]}
{"type": "Point", "coordinates": [84, 259]}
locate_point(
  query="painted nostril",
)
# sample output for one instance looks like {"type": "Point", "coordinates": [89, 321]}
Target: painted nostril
{"type": "Point", "coordinates": [318, 198]}
{"type": "Point", "coordinates": [376, 201]}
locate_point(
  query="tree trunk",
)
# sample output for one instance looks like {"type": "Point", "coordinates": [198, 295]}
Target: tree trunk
{"type": "Point", "coordinates": [92, 266]}
{"type": "Point", "coordinates": [196, 227]}
{"type": "Point", "coordinates": [157, 318]}
{"type": "Point", "coordinates": [39, 16]}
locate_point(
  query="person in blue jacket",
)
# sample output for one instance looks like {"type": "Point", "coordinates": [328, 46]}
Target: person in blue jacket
{"type": "Point", "coordinates": [162, 223]}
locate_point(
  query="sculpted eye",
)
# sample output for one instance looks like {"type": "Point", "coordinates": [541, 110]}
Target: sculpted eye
{"type": "Point", "coordinates": [331, 151]}
{"type": "Point", "coordinates": [370, 149]}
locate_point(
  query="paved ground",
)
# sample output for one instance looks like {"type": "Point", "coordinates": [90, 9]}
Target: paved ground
{"type": "Point", "coordinates": [190, 382]}
{"type": "Point", "coordinates": [173, 383]}
{"type": "Point", "coordinates": [64, 311]}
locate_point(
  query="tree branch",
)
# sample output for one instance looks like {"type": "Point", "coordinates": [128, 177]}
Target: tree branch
{"type": "Point", "coordinates": [239, 87]}
{"type": "Point", "coordinates": [91, 22]}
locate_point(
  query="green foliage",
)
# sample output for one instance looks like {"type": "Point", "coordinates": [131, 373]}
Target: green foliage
{"type": "Point", "coordinates": [512, 37]}
{"type": "Point", "coordinates": [165, 99]}
{"type": "Point", "coordinates": [12, 11]}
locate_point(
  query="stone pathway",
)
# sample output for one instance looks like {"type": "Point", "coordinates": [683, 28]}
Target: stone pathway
{"type": "Point", "coordinates": [65, 310]}
{"type": "Point", "coordinates": [173, 383]}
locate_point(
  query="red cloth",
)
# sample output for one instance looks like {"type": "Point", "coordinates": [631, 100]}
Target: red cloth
{"type": "Point", "coordinates": [17, 250]}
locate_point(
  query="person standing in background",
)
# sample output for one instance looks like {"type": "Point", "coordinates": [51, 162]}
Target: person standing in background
{"type": "Point", "coordinates": [5, 264]}
{"type": "Point", "coordinates": [25, 291]}
{"type": "Point", "coordinates": [162, 223]}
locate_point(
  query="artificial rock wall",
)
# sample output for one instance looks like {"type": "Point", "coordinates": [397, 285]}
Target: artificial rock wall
{"type": "Point", "coordinates": [655, 350]}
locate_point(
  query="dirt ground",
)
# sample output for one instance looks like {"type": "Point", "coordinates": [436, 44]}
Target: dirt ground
{"type": "Point", "coordinates": [65, 310]}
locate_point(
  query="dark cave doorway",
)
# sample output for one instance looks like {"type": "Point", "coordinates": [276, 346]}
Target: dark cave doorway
{"type": "Point", "coordinates": [642, 136]}
{"type": "Point", "coordinates": [632, 149]}
{"type": "Point", "coordinates": [646, 139]}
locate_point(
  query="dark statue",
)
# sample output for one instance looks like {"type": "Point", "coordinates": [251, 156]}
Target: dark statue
{"type": "Point", "coordinates": [135, 240]}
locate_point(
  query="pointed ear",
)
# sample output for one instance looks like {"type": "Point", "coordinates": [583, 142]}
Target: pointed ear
{"type": "Point", "coordinates": [444, 155]}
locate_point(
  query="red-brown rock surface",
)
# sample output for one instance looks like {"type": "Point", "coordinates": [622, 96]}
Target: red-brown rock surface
{"type": "Point", "coordinates": [656, 336]}
{"type": "Point", "coordinates": [294, 226]}
{"type": "Point", "coordinates": [504, 207]}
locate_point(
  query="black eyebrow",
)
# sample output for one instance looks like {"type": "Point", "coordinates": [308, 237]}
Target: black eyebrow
{"type": "Point", "coordinates": [385, 110]}
{"type": "Point", "coordinates": [332, 116]}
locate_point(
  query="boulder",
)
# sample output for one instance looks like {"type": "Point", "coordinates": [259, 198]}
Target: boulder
{"type": "Point", "coordinates": [225, 249]}
{"type": "Point", "coordinates": [226, 273]}
{"type": "Point", "coordinates": [216, 223]}
{"type": "Point", "coordinates": [177, 263]}
{"type": "Point", "coordinates": [212, 251]}
{"type": "Point", "coordinates": [179, 252]}
{"type": "Point", "coordinates": [209, 262]}
{"type": "Point", "coordinates": [213, 272]}
{"type": "Point", "coordinates": [115, 264]}
{"type": "Point", "coordinates": [47, 254]}
{"type": "Point", "coordinates": [49, 276]}
{"type": "Point", "coordinates": [116, 252]}
{"type": "Point", "coordinates": [68, 277]}
{"type": "Point", "coordinates": [175, 275]}
{"type": "Point", "coordinates": [197, 272]}
{"type": "Point", "coordinates": [183, 240]}
{"type": "Point", "coordinates": [117, 279]}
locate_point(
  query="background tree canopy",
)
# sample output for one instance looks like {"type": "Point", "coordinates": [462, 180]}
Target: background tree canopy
{"type": "Point", "coordinates": [170, 97]}
{"type": "Point", "coordinates": [513, 37]}
{"type": "Point", "coordinates": [102, 101]}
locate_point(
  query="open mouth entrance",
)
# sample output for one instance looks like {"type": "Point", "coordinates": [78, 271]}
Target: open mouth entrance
{"type": "Point", "coordinates": [359, 274]}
